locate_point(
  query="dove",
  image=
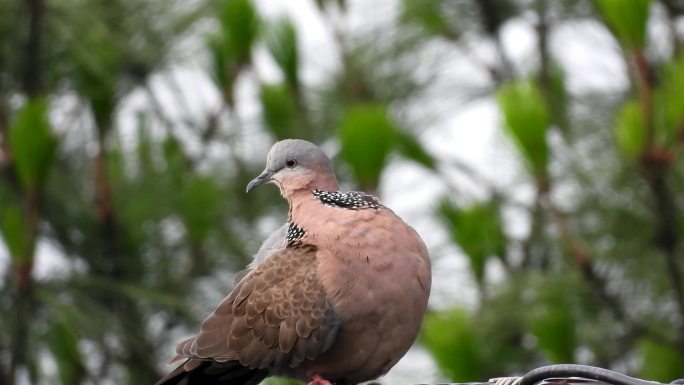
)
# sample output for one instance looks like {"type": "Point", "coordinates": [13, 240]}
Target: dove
{"type": "Point", "coordinates": [336, 295]}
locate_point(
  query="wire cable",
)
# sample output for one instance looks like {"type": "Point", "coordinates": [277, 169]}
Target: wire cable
{"type": "Point", "coordinates": [577, 371]}
{"type": "Point", "coordinates": [584, 371]}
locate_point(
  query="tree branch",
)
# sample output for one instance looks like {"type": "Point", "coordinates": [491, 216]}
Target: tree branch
{"type": "Point", "coordinates": [655, 163]}
{"type": "Point", "coordinates": [580, 257]}
{"type": "Point", "coordinates": [582, 261]}
{"type": "Point", "coordinates": [22, 265]}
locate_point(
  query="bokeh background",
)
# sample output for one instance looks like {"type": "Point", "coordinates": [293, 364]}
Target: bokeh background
{"type": "Point", "coordinates": [535, 145]}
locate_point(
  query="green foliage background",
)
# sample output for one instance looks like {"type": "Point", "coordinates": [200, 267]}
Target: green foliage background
{"type": "Point", "coordinates": [140, 193]}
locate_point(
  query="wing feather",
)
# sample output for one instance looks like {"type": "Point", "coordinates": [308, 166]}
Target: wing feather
{"type": "Point", "coordinates": [277, 315]}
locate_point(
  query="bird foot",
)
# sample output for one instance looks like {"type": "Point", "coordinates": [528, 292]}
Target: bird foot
{"type": "Point", "coordinates": [318, 380]}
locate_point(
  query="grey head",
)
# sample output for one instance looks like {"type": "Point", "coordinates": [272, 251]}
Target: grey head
{"type": "Point", "coordinates": [295, 164]}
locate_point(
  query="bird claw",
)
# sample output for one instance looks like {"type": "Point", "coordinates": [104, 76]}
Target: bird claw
{"type": "Point", "coordinates": [318, 380]}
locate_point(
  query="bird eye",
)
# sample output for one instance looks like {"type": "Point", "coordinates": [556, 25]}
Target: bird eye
{"type": "Point", "coordinates": [291, 163]}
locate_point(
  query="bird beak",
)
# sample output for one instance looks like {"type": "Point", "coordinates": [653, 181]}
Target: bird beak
{"type": "Point", "coordinates": [264, 177]}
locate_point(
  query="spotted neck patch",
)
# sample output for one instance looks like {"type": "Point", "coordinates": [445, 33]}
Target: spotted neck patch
{"type": "Point", "coordinates": [352, 200]}
{"type": "Point", "coordinates": [294, 234]}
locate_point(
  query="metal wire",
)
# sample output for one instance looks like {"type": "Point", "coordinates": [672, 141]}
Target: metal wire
{"type": "Point", "coordinates": [578, 372]}
{"type": "Point", "coordinates": [583, 371]}
{"type": "Point", "coordinates": [505, 380]}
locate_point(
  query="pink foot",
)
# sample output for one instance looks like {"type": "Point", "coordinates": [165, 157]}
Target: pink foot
{"type": "Point", "coordinates": [318, 380]}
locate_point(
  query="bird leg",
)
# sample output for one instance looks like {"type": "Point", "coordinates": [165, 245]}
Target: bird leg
{"type": "Point", "coordinates": [318, 380]}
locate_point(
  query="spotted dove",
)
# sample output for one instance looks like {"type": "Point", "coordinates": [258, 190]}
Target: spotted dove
{"type": "Point", "coordinates": [337, 295]}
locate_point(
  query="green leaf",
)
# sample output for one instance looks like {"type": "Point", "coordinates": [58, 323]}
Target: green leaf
{"type": "Point", "coordinates": [97, 66]}
{"type": "Point", "coordinates": [554, 327]}
{"type": "Point", "coordinates": [231, 49]}
{"type": "Point", "coordinates": [526, 121]}
{"type": "Point", "coordinates": [12, 227]}
{"type": "Point", "coordinates": [368, 135]}
{"type": "Point", "coordinates": [428, 15]}
{"type": "Point", "coordinates": [200, 202]}
{"type": "Point", "coordinates": [550, 316]}
{"type": "Point", "coordinates": [32, 143]}
{"type": "Point", "coordinates": [669, 99]}
{"type": "Point", "coordinates": [223, 67]}
{"type": "Point", "coordinates": [240, 26]}
{"type": "Point", "coordinates": [176, 160]}
{"type": "Point", "coordinates": [627, 19]}
{"type": "Point", "coordinates": [409, 146]}
{"type": "Point", "coordinates": [451, 338]}
{"type": "Point", "coordinates": [279, 110]}
{"type": "Point", "coordinates": [629, 130]}
{"type": "Point", "coordinates": [63, 342]}
{"type": "Point", "coordinates": [477, 230]}
{"type": "Point", "coordinates": [281, 40]}
{"type": "Point", "coordinates": [659, 362]}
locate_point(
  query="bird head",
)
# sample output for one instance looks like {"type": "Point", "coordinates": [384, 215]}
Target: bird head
{"type": "Point", "coordinates": [295, 165]}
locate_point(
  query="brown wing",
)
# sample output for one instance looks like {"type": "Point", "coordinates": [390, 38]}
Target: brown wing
{"type": "Point", "coordinates": [277, 315]}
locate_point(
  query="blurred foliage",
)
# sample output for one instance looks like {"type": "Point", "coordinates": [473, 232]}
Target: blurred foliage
{"type": "Point", "coordinates": [478, 231]}
{"type": "Point", "coordinates": [12, 228]}
{"type": "Point", "coordinates": [231, 46]}
{"type": "Point", "coordinates": [32, 143]}
{"type": "Point", "coordinates": [669, 114]}
{"type": "Point", "coordinates": [430, 16]}
{"type": "Point", "coordinates": [281, 41]}
{"type": "Point", "coordinates": [629, 130]}
{"type": "Point", "coordinates": [279, 110]}
{"type": "Point", "coordinates": [527, 121]}
{"type": "Point", "coordinates": [454, 342]}
{"type": "Point", "coordinates": [367, 135]}
{"type": "Point", "coordinates": [659, 361]}
{"type": "Point", "coordinates": [122, 204]}
{"type": "Point", "coordinates": [628, 22]}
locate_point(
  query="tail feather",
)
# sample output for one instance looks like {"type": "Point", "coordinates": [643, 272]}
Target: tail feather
{"type": "Point", "coordinates": [213, 373]}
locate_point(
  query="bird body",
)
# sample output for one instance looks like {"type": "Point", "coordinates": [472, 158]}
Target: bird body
{"type": "Point", "coordinates": [340, 299]}
{"type": "Point", "coordinates": [378, 295]}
